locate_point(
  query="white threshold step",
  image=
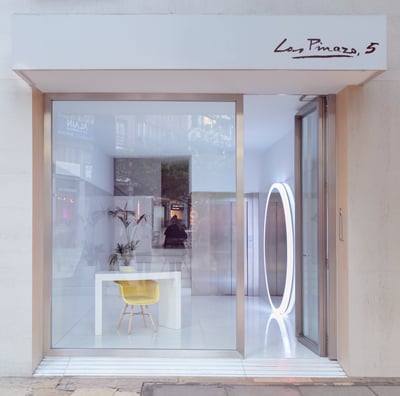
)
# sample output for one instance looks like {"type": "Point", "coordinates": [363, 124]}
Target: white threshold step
{"type": "Point", "coordinates": [164, 367]}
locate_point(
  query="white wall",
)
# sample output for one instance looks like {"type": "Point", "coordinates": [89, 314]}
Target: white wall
{"type": "Point", "coordinates": [277, 165]}
{"type": "Point", "coordinates": [373, 185]}
{"type": "Point", "coordinates": [213, 173]}
{"type": "Point", "coordinates": [253, 171]}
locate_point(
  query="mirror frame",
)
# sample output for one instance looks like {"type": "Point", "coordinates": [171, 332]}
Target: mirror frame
{"type": "Point", "coordinates": [287, 301]}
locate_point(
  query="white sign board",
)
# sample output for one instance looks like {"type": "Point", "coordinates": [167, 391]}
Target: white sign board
{"type": "Point", "coordinates": [199, 42]}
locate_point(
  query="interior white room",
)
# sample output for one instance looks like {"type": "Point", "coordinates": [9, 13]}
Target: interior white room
{"type": "Point", "coordinates": [83, 233]}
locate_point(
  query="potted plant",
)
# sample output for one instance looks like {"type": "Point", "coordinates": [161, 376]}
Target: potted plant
{"type": "Point", "coordinates": [124, 252]}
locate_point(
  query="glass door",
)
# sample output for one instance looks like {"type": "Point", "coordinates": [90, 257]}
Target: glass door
{"type": "Point", "coordinates": [311, 228]}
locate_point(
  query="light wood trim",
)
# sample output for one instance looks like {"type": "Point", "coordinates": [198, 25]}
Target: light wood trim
{"type": "Point", "coordinates": [37, 228]}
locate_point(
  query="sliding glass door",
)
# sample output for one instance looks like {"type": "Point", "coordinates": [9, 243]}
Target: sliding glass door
{"type": "Point", "coordinates": [311, 258]}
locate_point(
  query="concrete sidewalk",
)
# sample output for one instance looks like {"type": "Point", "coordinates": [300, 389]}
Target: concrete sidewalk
{"type": "Point", "coordinates": [177, 386]}
{"type": "Point", "coordinates": [269, 390]}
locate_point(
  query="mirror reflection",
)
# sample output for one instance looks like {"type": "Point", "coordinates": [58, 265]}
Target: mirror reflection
{"type": "Point", "coordinates": [279, 335]}
{"type": "Point", "coordinates": [165, 181]}
{"type": "Point", "coordinates": [278, 249]}
{"type": "Point", "coordinates": [275, 247]}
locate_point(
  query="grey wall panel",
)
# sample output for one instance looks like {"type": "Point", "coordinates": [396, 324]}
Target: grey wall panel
{"type": "Point", "coordinates": [213, 263]}
{"type": "Point", "coordinates": [275, 250]}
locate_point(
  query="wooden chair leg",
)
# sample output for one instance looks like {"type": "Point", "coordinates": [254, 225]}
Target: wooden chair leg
{"type": "Point", "coordinates": [131, 313]}
{"type": "Point", "coordinates": [151, 318]}
{"type": "Point", "coordinates": [130, 319]}
{"type": "Point", "coordinates": [122, 316]}
{"type": "Point", "coordinates": [143, 316]}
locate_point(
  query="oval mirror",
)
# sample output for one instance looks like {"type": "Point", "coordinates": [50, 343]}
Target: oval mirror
{"type": "Point", "coordinates": [278, 249]}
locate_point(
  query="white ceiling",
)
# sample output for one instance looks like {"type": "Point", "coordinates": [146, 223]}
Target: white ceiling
{"type": "Point", "coordinates": [267, 118]}
{"type": "Point", "coordinates": [196, 81]}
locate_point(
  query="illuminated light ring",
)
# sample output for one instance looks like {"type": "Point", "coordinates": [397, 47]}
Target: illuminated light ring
{"type": "Point", "coordinates": [287, 302]}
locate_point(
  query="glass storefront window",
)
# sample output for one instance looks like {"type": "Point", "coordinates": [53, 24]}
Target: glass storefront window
{"type": "Point", "coordinates": [154, 184]}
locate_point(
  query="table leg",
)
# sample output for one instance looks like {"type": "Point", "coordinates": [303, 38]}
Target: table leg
{"type": "Point", "coordinates": [169, 308]}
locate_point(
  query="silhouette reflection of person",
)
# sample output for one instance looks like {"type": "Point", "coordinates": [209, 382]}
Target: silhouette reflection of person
{"type": "Point", "coordinates": [175, 234]}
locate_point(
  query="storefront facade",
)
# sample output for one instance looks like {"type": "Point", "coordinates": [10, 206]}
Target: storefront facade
{"type": "Point", "coordinates": [366, 162]}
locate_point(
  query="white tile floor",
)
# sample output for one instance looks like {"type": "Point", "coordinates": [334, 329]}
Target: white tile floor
{"type": "Point", "coordinates": [208, 324]}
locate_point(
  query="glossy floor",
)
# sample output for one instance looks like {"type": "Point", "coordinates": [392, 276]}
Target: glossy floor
{"type": "Point", "coordinates": [208, 324]}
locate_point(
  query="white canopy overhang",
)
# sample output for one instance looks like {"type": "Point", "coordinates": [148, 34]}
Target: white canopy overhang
{"type": "Point", "coordinates": [198, 53]}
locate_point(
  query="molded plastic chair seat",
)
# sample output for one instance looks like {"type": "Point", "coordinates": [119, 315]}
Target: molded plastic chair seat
{"type": "Point", "coordinates": [138, 293]}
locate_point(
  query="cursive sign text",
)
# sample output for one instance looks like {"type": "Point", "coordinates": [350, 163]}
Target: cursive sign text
{"type": "Point", "coordinates": [315, 48]}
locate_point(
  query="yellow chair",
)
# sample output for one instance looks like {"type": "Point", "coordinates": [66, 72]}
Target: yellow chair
{"type": "Point", "coordinates": [138, 293]}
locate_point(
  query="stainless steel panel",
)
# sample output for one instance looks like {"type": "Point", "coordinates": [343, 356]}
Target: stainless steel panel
{"type": "Point", "coordinates": [252, 251]}
{"type": "Point", "coordinates": [276, 249]}
{"type": "Point", "coordinates": [212, 246]}
{"type": "Point", "coordinates": [270, 250]}
{"type": "Point", "coordinates": [281, 249]}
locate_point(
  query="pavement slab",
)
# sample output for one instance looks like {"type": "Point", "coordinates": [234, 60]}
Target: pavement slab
{"type": "Point", "coordinates": [179, 386]}
{"type": "Point", "coordinates": [217, 390]}
{"type": "Point", "coordinates": [49, 392]}
{"type": "Point", "coordinates": [386, 390]}
{"type": "Point", "coordinates": [10, 391]}
{"type": "Point", "coordinates": [94, 392]}
{"type": "Point", "coordinates": [340, 390]}
{"type": "Point", "coordinates": [183, 390]}
{"type": "Point", "coordinates": [119, 393]}
{"type": "Point", "coordinates": [266, 390]}
{"type": "Point", "coordinates": [269, 389]}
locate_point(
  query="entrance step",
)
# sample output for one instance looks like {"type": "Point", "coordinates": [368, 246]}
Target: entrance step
{"type": "Point", "coordinates": [164, 367]}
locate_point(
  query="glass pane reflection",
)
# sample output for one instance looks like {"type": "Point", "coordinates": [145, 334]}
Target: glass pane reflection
{"type": "Point", "coordinates": [169, 161]}
{"type": "Point", "coordinates": [310, 225]}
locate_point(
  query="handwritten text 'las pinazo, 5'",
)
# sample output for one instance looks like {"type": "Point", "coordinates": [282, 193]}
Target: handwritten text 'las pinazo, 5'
{"type": "Point", "coordinates": [315, 48]}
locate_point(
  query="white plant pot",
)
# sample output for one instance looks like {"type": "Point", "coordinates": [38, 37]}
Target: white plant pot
{"type": "Point", "coordinates": [126, 268]}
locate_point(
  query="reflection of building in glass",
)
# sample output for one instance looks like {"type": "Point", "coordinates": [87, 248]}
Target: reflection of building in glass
{"type": "Point", "coordinates": [165, 179]}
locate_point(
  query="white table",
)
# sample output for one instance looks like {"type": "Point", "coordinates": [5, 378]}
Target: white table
{"type": "Point", "coordinates": [169, 308]}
